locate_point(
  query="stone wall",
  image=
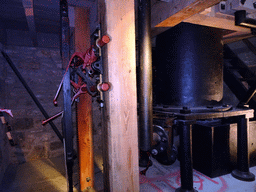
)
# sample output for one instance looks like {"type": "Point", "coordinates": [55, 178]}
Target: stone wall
{"type": "Point", "coordinates": [4, 151]}
{"type": "Point", "coordinates": [42, 70]}
{"type": "Point", "coordinates": [4, 144]}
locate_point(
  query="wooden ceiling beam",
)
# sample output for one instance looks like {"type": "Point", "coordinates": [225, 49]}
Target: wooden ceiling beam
{"type": "Point", "coordinates": [236, 36]}
{"type": "Point", "coordinates": [29, 12]}
{"type": "Point", "coordinates": [169, 14]}
{"type": "Point", "coordinates": [227, 23]}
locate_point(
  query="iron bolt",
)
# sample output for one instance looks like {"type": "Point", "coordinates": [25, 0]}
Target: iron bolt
{"type": "Point", "coordinates": [103, 87]}
{"type": "Point", "coordinates": [154, 152]}
{"type": "Point", "coordinates": [88, 179]}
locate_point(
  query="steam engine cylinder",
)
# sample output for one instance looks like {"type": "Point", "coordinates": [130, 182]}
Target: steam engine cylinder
{"type": "Point", "coordinates": [188, 66]}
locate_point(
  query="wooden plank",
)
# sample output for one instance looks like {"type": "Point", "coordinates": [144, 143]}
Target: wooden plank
{"type": "Point", "coordinates": [222, 23]}
{"type": "Point", "coordinates": [84, 106]}
{"type": "Point", "coordinates": [169, 14]}
{"type": "Point", "coordinates": [29, 12]}
{"type": "Point", "coordinates": [236, 36]}
{"type": "Point", "coordinates": [121, 100]}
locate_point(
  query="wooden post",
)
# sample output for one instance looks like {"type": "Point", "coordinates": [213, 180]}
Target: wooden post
{"type": "Point", "coordinates": [121, 170]}
{"type": "Point", "coordinates": [84, 106]}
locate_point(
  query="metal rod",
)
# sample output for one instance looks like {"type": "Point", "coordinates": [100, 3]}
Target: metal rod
{"type": "Point", "coordinates": [15, 70]}
{"type": "Point", "coordinates": [186, 166]}
{"type": "Point", "coordinates": [249, 95]}
{"type": "Point", "coordinates": [67, 127]}
{"type": "Point", "coordinates": [242, 171]}
{"type": "Point", "coordinates": [145, 77]}
{"type": "Point", "coordinates": [52, 118]}
{"type": "Point", "coordinates": [242, 145]}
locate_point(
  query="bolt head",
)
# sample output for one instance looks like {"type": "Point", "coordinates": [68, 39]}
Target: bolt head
{"type": "Point", "coordinates": [103, 87]}
{"type": "Point", "coordinates": [154, 152]}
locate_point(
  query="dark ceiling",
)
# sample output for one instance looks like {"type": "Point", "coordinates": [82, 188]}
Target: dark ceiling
{"type": "Point", "coordinates": [37, 19]}
{"type": "Point", "coordinates": [46, 15]}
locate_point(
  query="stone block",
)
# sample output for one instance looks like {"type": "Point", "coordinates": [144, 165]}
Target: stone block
{"type": "Point", "coordinates": [23, 123]}
{"type": "Point", "coordinates": [56, 145]}
{"type": "Point", "coordinates": [37, 153]}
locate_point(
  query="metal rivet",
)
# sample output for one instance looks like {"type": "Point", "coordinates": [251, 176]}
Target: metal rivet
{"type": "Point", "coordinates": [88, 179]}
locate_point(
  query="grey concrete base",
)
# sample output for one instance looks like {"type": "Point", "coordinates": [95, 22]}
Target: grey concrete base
{"type": "Point", "coordinates": [48, 175]}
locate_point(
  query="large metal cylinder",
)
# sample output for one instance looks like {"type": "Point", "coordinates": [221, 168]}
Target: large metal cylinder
{"type": "Point", "coordinates": [188, 66]}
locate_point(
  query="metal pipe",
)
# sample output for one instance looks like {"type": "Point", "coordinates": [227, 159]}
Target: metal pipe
{"type": "Point", "coordinates": [186, 163]}
{"type": "Point", "coordinates": [67, 127]}
{"type": "Point", "coordinates": [22, 80]}
{"type": "Point", "coordinates": [242, 172]}
{"type": "Point", "coordinates": [145, 77]}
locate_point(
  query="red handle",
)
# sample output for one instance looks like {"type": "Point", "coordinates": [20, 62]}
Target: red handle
{"type": "Point", "coordinates": [103, 41]}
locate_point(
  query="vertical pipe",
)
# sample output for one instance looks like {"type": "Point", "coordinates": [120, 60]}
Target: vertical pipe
{"type": "Point", "coordinates": [242, 146]}
{"type": "Point", "coordinates": [242, 171]}
{"type": "Point", "coordinates": [67, 127]}
{"type": "Point", "coordinates": [186, 166]}
{"type": "Point", "coordinates": [145, 77]}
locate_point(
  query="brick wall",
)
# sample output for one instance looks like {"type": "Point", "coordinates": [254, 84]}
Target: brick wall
{"type": "Point", "coordinates": [42, 70]}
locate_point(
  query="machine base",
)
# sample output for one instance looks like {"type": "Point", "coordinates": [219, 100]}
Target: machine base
{"type": "Point", "coordinates": [185, 190]}
{"type": "Point", "coordinates": [243, 176]}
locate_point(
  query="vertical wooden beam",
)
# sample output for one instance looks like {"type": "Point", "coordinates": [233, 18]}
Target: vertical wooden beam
{"type": "Point", "coordinates": [121, 100]}
{"type": "Point", "coordinates": [84, 106]}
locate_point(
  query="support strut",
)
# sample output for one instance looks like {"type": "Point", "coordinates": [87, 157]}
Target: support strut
{"type": "Point", "coordinates": [145, 82]}
{"type": "Point", "coordinates": [38, 104]}
{"type": "Point", "coordinates": [67, 127]}
{"type": "Point", "coordinates": [242, 172]}
{"type": "Point", "coordinates": [186, 162]}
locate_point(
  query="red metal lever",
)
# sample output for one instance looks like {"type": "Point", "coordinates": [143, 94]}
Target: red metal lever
{"type": "Point", "coordinates": [8, 111]}
{"type": "Point", "coordinates": [103, 41]}
{"type": "Point", "coordinates": [52, 118]}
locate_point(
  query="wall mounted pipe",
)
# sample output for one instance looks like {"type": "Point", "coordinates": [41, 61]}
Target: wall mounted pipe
{"type": "Point", "coordinates": [145, 76]}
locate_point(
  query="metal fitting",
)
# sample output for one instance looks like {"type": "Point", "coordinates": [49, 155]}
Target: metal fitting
{"type": "Point", "coordinates": [88, 179]}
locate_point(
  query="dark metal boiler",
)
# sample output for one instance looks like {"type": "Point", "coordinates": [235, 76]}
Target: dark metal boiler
{"type": "Point", "coordinates": [188, 93]}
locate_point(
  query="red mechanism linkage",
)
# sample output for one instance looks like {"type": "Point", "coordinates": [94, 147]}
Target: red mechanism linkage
{"type": "Point", "coordinates": [85, 59]}
{"type": "Point", "coordinates": [80, 88]}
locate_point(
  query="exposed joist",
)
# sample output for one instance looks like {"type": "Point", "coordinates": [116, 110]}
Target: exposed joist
{"type": "Point", "coordinates": [236, 36]}
{"type": "Point", "coordinates": [29, 12]}
{"type": "Point", "coordinates": [222, 23]}
{"type": "Point", "coordinates": [250, 45]}
{"type": "Point", "coordinates": [169, 14]}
